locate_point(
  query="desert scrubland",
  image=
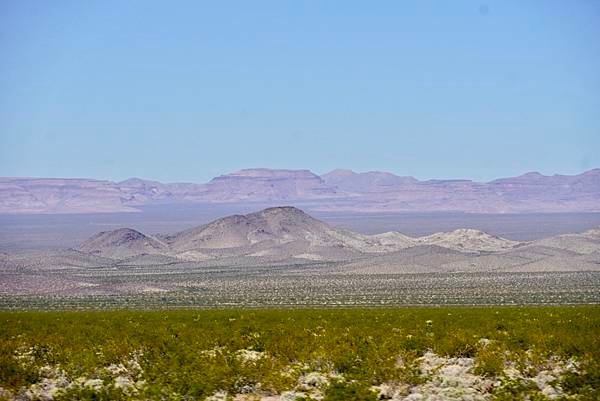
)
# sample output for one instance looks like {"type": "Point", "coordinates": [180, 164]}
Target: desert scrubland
{"type": "Point", "coordinates": [484, 353]}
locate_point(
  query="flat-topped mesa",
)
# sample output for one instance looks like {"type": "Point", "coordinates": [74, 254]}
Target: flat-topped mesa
{"type": "Point", "coordinates": [368, 182]}
{"type": "Point", "coordinates": [268, 173]}
{"type": "Point", "coordinates": [122, 242]}
{"type": "Point", "coordinates": [268, 185]}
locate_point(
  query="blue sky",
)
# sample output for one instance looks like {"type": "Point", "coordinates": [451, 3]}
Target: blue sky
{"type": "Point", "coordinates": [186, 90]}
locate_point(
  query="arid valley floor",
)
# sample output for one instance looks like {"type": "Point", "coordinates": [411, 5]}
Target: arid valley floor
{"type": "Point", "coordinates": [284, 257]}
{"type": "Point", "coordinates": [277, 305]}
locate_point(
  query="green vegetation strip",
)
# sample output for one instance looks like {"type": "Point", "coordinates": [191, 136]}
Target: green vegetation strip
{"type": "Point", "coordinates": [196, 354]}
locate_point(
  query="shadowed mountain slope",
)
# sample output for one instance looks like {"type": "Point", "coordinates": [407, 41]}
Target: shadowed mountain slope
{"type": "Point", "coordinates": [122, 243]}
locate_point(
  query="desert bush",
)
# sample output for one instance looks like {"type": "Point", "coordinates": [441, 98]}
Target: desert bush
{"type": "Point", "coordinates": [342, 391]}
{"type": "Point", "coordinates": [191, 354]}
{"type": "Point", "coordinates": [489, 362]}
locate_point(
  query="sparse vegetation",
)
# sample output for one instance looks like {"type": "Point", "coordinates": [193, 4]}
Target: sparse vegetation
{"type": "Point", "coordinates": [290, 286]}
{"type": "Point", "coordinates": [338, 354]}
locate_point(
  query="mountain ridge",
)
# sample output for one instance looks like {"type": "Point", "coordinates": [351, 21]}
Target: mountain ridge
{"type": "Point", "coordinates": [288, 232]}
{"type": "Point", "coordinates": [339, 190]}
{"type": "Point", "coordinates": [284, 238]}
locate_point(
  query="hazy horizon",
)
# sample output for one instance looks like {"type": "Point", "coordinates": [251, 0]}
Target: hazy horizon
{"type": "Point", "coordinates": [186, 92]}
{"type": "Point", "coordinates": [145, 178]}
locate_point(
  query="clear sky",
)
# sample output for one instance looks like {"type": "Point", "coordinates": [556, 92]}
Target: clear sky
{"type": "Point", "coordinates": [186, 90]}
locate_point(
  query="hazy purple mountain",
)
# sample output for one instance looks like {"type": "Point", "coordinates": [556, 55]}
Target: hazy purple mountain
{"type": "Point", "coordinates": [531, 192]}
{"type": "Point", "coordinates": [55, 195]}
{"type": "Point", "coordinates": [138, 191]}
{"type": "Point", "coordinates": [245, 185]}
{"type": "Point", "coordinates": [268, 185]}
{"type": "Point", "coordinates": [339, 190]}
{"type": "Point", "coordinates": [372, 181]}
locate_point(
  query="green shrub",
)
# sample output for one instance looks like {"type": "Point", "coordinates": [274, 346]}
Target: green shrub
{"type": "Point", "coordinates": [456, 344]}
{"type": "Point", "coordinates": [512, 390]}
{"type": "Point", "coordinates": [585, 383]}
{"type": "Point", "coordinates": [341, 391]}
{"type": "Point", "coordinates": [489, 362]}
{"type": "Point", "coordinates": [89, 394]}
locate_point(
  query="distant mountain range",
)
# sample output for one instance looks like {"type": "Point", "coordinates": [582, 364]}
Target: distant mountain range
{"type": "Point", "coordinates": [338, 190]}
{"type": "Point", "coordinates": [288, 236]}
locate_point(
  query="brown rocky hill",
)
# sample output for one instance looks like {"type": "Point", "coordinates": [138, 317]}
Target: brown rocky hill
{"type": "Point", "coordinates": [122, 243]}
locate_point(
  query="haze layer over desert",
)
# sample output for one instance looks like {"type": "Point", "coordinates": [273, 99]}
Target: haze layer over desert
{"type": "Point", "coordinates": [300, 200]}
